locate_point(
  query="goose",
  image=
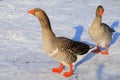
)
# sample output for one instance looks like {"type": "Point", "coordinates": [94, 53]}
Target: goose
{"type": "Point", "coordinates": [100, 32]}
{"type": "Point", "coordinates": [61, 49]}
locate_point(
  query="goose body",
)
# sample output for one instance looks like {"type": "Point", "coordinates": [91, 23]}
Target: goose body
{"type": "Point", "coordinates": [62, 49]}
{"type": "Point", "coordinates": [100, 32]}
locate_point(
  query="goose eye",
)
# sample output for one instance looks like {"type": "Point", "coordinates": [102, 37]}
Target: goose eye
{"type": "Point", "coordinates": [36, 10]}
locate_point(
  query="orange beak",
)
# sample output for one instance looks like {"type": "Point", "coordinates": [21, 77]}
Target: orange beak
{"type": "Point", "coordinates": [31, 11]}
{"type": "Point", "coordinates": [101, 12]}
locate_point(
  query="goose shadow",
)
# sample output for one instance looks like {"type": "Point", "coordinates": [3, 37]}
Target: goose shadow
{"type": "Point", "coordinates": [78, 33]}
{"type": "Point", "coordinates": [100, 72]}
{"type": "Point", "coordinates": [77, 37]}
{"type": "Point", "coordinates": [101, 75]}
{"type": "Point", "coordinates": [116, 35]}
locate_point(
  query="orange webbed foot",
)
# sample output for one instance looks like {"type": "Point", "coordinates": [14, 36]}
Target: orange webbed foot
{"type": "Point", "coordinates": [104, 52]}
{"type": "Point", "coordinates": [68, 74]}
{"type": "Point", "coordinates": [58, 70]}
{"type": "Point", "coordinates": [96, 50]}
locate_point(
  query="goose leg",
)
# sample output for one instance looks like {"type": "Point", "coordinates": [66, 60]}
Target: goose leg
{"type": "Point", "coordinates": [68, 74]}
{"type": "Point", "coordinates": [105, 52]}
{"type": "Point", "coordinates": [58, 70]}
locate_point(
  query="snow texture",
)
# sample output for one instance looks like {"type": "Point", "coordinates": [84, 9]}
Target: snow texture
{"type": "Point", "coordinates": [21, 51]}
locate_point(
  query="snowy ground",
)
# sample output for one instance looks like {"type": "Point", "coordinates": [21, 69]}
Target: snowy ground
{"type": "Point", "coordinates": [21, 53]}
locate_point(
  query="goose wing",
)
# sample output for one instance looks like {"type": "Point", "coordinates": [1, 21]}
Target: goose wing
{"type": "Point", "coordinates": [107, 28]}
{"type": "Point", "coordinates": [71, 46]}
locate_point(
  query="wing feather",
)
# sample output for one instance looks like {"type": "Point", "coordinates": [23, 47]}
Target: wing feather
{"type": "Point", "coordinates": [71, 46]}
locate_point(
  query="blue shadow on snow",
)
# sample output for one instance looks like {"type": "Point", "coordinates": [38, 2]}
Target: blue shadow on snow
{"type": "Point", "coordinates": [116, 35]}
{"type": "Point", "coordinates": [100, 72]}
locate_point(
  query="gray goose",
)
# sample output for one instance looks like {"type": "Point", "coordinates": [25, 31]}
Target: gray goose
{"type": "Point", "coordinates": [62, 49]}
{"type": "Point", "coordinates": [100, 32]}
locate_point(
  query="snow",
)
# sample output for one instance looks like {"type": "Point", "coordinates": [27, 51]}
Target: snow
{"type": "Point", "coordinates": [21, 52]}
